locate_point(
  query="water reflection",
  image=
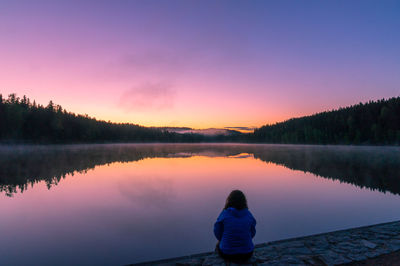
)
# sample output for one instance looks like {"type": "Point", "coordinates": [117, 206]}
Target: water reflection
{"type": "Point", "coordinates": [376, 168]}
{"type": "Point", "coordinates": [155, 192]}
{"type": "Point", "coordinates": [132, 203]}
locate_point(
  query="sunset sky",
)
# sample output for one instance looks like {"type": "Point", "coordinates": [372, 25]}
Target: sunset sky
{"type": "Point", "coordinates": [200, 63]}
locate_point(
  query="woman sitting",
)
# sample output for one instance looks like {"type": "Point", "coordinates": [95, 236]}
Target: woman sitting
{"type": "Point", "coordinates": [235, 228]}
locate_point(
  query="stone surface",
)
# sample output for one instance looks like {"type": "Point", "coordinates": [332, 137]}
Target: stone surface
{"type": "Point", "coordinates": [332, 248]}
{"type": "Point", "coordinates": [368, 244]}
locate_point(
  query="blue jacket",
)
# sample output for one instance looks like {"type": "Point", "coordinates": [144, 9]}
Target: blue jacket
{"type": "Point", "coordinates": [235, 230]}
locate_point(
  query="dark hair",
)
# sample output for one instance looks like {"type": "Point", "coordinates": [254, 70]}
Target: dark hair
{"type": "Point", "coordinates": [237, 200]}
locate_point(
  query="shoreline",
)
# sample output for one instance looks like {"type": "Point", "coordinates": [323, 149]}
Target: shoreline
{"type": "Point", "coordinates": [346, 246]}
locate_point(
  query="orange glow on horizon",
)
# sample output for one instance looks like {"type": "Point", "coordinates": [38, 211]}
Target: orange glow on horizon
{"type": "Point", "coordinates": [199, 120]}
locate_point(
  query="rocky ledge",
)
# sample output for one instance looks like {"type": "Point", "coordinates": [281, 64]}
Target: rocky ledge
{"type": "Point", "coordinates": [333, 248]}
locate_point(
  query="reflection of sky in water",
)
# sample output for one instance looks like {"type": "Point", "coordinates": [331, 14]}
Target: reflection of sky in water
{"type": "Point", "coordinates": [152, 192]}
{"type": "Point", "coordinates": [164, 207]}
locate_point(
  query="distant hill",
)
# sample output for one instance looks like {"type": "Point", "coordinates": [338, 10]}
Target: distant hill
{"type": "Point", "coordinates": [375, 122]}
{"type": "Point", "coordinates": [206, 132]}
{"type": "Point", "coordinates": [242, 129]}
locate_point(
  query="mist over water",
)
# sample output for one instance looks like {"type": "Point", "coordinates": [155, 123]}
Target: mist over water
{"type": "Point", "coordinates": [127, 203]}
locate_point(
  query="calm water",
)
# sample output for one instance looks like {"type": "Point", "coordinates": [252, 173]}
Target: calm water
{"type": "Point", "coordinates": [119, 204]}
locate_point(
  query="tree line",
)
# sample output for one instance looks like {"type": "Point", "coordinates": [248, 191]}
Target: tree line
{"type": "Point", "coordinates": [24, 121]}
{"type": "Point", "coordinates": [375, 122]}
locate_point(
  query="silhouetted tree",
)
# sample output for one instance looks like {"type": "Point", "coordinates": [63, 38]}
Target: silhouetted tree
{"type": "Point", "coordinates": [23, 121]}
{"type": "Point", "coordinates": [371, 123]}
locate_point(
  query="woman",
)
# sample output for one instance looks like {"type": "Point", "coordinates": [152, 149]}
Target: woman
{"type": "Point", "coordinates": [235, 228]}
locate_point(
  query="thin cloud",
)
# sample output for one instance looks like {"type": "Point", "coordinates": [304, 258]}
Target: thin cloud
{"type": "Point", "coordinates": [149, 60]}
{"type": "Point", "coordinates": [144, 65]}
{"type": "Point", "coordinates": [152, 63]}
{"type": "Point", "coordinates": [150, 96]}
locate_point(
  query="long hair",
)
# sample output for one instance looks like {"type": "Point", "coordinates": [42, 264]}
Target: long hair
{"type": "Point", "coordinates": [237, 200]}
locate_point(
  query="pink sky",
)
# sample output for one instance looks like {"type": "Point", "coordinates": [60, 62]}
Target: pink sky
{"type": "Point", "coordinates": [199, 64]}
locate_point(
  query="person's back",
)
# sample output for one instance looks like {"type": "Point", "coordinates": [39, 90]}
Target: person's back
{"type": "Point", "coordinates": [235, 228]}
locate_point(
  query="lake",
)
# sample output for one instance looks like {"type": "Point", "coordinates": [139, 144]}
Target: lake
{"type": "Point", "coordinates": [117, 204]}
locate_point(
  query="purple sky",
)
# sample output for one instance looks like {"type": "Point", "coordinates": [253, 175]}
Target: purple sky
{"type": "Point", "coordinates": [200, 63]}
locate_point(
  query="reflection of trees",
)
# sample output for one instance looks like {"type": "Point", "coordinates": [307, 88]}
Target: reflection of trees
{"type": "Point", "coordinates": [376, 168]}
{"type": "Point", "coordinates": [23, 166]}
{"type": "Point", "coordinates": [371, 167]}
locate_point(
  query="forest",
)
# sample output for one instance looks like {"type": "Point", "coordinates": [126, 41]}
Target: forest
{"type": "Point", "coordinates": [372, 123]}
{"type": "Point", "coordinates": [25, 121]}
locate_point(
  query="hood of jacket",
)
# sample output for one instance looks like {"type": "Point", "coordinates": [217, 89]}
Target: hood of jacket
{"type": "Point", "coordinates": [237, 213]}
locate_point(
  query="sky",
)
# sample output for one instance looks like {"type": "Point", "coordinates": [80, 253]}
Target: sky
{"type": "Point", "coordinates": [200, 64]}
